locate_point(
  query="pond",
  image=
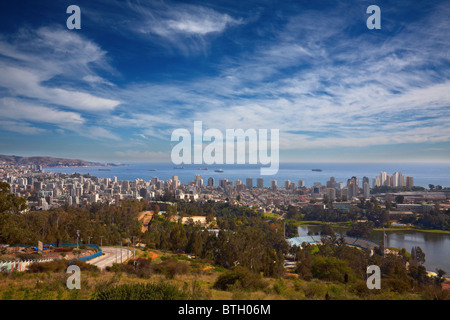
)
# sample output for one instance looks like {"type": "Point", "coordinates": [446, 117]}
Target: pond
{"type": "Point", "coordinates": [435, 245]}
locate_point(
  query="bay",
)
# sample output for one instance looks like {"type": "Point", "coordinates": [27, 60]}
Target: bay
{"type": "Point", "coordinates": [423, 173]}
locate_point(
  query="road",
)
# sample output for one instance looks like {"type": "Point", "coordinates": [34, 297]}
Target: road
{"type": "Point", "coordinates": [111, 255]}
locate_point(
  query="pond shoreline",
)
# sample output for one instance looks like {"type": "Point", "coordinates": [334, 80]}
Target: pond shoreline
{"type": "Point", "coordinates": [314, 223]}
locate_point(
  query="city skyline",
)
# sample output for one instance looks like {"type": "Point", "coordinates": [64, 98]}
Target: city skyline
{"type": "Point", "coordinates": [116, 89]}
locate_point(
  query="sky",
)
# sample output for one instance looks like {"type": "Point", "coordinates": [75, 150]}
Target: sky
{"type": "Point", "coordinates": [117, 88]}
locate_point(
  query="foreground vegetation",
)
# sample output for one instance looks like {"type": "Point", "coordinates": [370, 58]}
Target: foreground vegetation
{"type": "Point", "coordinates": [175, 276]}
{"type": "Point", "coordinates": [245, 260]}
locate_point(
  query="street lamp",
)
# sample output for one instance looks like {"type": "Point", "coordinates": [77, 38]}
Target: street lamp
{"type": "Point", "coordinates": [78, 236]}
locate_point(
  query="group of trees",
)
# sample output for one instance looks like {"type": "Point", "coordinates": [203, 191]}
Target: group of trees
{"type": "Point", "coordinates": [96, 223]}
{"type": "Point", "coordinates": [245, 239]}
{"type": "Point", "coordinates": [436, 219]}
{"type": "Point", "coordinates": [333, 261]}
{"type": "Point", "coordinates": [368, 209]}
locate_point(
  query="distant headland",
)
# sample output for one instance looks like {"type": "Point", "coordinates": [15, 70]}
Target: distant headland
{"type": "Point", "coordinates": [53, 162]}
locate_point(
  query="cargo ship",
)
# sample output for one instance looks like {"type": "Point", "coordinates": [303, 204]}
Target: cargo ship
{"type": "Point", "coordinates": [319, 170]}
{"type": "Point", "coordinates": [218, 170]}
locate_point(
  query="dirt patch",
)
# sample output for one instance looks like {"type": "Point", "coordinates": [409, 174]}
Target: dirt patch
{"type": "Point", "coordinates": [145, 217]}
{"type": "Point", "coordinates": [154, 255]}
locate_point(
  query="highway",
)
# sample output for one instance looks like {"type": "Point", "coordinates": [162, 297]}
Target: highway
{"type": "Point", "coordinates": [111, 255]}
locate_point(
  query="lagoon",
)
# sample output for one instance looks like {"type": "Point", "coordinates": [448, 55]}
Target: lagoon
{"type": "Point", "coordinates": [435, 245]}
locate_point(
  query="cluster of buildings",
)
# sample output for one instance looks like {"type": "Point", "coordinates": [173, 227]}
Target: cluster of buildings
{"type": "Point", "coordinates": [46, 190]}
{"type": "Point", "coordinates": [396, 180]}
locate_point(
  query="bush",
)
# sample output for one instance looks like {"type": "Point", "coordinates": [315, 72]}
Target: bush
{"type": "Point", "coordinates": [149, 291]}
{"type": "Point", "coordinates": [171, 268]}
{"type": "Point", "coordinates": [331, 269]}
{"type": "Point", "coordinates": [240, 278]}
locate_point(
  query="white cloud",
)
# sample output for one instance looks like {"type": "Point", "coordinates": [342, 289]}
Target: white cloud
{"type": "Point", "coordinates": [36, 57]}
{"type": "Point", "coordinates": [16, 109]}
{"type": "Point", "coordinates": [21, 127]}
{"type": "Point", "coordinates": [183, 26]}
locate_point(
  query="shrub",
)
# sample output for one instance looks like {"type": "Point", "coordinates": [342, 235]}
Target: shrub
{"type": "Point", "coordinates": [331, 269]}
{"type": "Point", "coordinates": [149, 291]}
{"type": "Point", "coordinates": [240, 278]}
{"type": "Point", "coordinates": [171, 268]}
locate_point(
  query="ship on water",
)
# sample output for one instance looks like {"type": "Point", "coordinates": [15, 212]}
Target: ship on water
{"type": "Point", "coordinates": [319, 170]}
{"type": "Point", "coordinates": [178, 167]}
{"type": "Point", "coordinates": [203, 169]}
{"type": "Point", "coordinates": [218, 170]}
{"type": "Point", "coordinates": [104, 169]}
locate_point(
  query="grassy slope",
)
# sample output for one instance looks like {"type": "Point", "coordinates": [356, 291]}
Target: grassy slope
{"type": "Point", "coordinates": [52, 286]}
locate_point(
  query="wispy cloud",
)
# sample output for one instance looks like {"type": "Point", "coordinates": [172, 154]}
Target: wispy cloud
{"type": "Point", "coordinates": [39, 69]}
{"type": "Point", "coordinates": [186, 27]}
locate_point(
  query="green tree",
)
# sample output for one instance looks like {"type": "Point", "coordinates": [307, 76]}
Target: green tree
{"type": "Point", "coordinates": [9, 203]}
{"type": "Point", "coordinates": [399, 199]}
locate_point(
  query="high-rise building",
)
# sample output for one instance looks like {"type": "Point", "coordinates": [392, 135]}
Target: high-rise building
{"type": "Point", "coordinates": [175, 182]}
{"type": "Point", "coordinates": [198, 180]}
{"type": "Point", "coordinates": [249, 183]}
{"type": "Point", "coordinates": [331, 183]}
{"type": "Point", "coordinates": [287, 184]}
{"type": "Point", "coordinates": [273, 185]}
{"type": "Point", "coordinates": [344, 193]}
{"type": "Point", "coordinates": [409, 181]}
{"type": "Point", "coordinates": [364, 180]}
{"type": "Point", "coordinates": [383, 178]}
{"type": "Point", "coordinates": [301, 183]}
{"type": "Point", "coordinates": [331, 193]}
{"type": "Point", "coordinates": [210, 182]}
{"type": "Point", "coordinates": [376, 182]}
{"type": "Point", "coordinates": [260, 183]}
{"type": "Point", "coordinates": [397, 179]}
{"type": "Point", "coordinates": [366, 189]}
{"type": "Point", "coordinates": [353, 187]}
{"type": "Point", "coordinates": [223, 183]}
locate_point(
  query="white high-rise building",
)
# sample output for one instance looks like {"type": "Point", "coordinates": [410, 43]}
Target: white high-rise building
{"type": "Point", "coordinates": [397, 179]}
{"type": "Point", "coordinates": [376, 182]}
{"type": "Point", "coordinates": [384, 180]}
{"type": "Point", "coordinates": [175, 182]}
{"type": "Point", "coordinates": [366, 190]}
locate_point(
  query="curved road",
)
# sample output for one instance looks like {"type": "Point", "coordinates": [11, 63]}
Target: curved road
{"type": "Point", "coordinates": [111, 255]}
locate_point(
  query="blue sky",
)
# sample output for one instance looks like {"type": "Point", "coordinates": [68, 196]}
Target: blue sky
{"type": "Point", "coordinates": [116, 89]}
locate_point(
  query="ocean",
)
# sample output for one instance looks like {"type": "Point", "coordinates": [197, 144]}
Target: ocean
{"type": "Point", "coordinates": [423, 173]}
